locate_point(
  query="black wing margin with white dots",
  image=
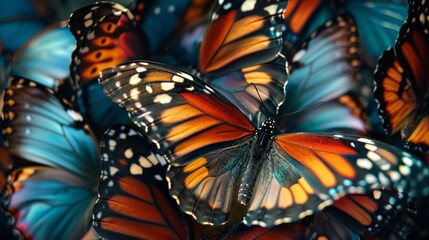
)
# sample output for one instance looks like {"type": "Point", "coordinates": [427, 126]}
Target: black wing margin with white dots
{"type": "Point", "coordinates": [133, 199]}
{"type": "Point", "coordinates": [107, 34]}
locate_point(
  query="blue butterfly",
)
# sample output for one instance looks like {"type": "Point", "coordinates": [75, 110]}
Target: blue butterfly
{"type": "Point", "coordinates": [52, 187]}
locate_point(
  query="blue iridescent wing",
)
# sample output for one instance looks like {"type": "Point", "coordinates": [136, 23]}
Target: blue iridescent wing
{"type": "Point", "coordinates": [325, 67]}
{"type": "Point", "coordinates": [45, 57]}
{"type": "Point", "coordinates": [52, 194]}
{"type": "Point", "coordinates": [378, 24]}
{"type": "Point", "coordinates": [165, 13]}
{"type": "Point", "coordinates": [99, 111]}
{"type": "Point", "coordinates": [50, 203]}
{"type": "Point", "coordinates": [345, 114]}
{"type": "Point", "coordinates": [12, 10]}
{"type": "Point", "coordinates": [47, 130]}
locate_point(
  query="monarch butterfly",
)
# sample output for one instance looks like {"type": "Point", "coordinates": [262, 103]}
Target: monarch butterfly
{"type": "Point", "coordinates": [401, 81]}
{"type": "Point", "coordinates": [51, 194]}
{"type": "Point", "coordinates": [133, 195]}
{"type": "Point", "coordinates": [217, 155]}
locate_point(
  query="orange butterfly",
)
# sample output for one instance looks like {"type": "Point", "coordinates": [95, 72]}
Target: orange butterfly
{"type": "Point", "coordinates": [218, 156]}
{"type": "Point", "coordinates": [402, 81]}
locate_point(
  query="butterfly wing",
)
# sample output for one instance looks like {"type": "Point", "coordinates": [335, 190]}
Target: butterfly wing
{"type": "Point", "coordinates": [345, 114]}
{"type": "Point", "coordinates": [257, 91]}
{"type": "Point", "coordinates": [45, 129]}
{"type": "Point", "coordinates": [239, 56]}
{"type": "Point", "coordinates": [47, 202]}
{"type": "Point", "coordinates": [378, 23]}
{"type": "Point", "coordinates": [100, 112]}
{"type": "Point", "coordinates": [401, 82]}
{"type": "Point", "coordinates": [133, 193]}
{"type": "Point", "coordinates": [241, 34]}
{"type": "Point", "coordinates": [306, 172]}
{"type": "Point", "coordinates": [107, 34]}
{"type": "Point", "coordinates": [45, 57]}
{"type": "Point", "coordinates": [301, 18]}
{"type": "Point", "coordinates": [357, 215]}
{"type": "Point", "coordinates": [334, 46]}
{"type": "Point", "coordinates": [394, 93]}
{"type": "Point", "coordinates": [204, 136]}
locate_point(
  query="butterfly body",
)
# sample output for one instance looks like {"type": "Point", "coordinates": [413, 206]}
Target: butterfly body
{"type": "Point", "coordinates": [260, 150]}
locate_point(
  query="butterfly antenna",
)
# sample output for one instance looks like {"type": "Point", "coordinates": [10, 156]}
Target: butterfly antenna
{"type": "Point", "coordinates": [315, 105]}
{"type": "Point", "coordinates": [260, 98]}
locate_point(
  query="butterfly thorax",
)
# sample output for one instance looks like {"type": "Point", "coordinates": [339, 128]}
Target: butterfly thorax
{"type": "Point", "coordinates": [258, 154]}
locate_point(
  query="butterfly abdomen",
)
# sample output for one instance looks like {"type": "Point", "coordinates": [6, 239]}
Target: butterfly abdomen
{"type": "Point", "coordinates": [258, 153]}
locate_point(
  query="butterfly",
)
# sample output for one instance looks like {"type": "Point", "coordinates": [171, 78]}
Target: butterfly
{"type": "Point", "coordinates": [211, 144]}
{"type": "Point", "coordinates": [335, 44]}
{"type": "Point", "coordinates": [133, 195]}
{"type": "Point", "coordinates": [52, 189]}
{"type": "Point", "coordinates": [378, 23]}
{"type": "Point", "coordinates": [401, 81]}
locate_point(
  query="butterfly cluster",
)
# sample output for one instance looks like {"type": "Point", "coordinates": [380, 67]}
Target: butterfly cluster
{"type": "Point", "coordinates": [228, 119]}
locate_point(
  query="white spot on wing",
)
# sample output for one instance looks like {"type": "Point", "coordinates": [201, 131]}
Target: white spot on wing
{"type": "Point", "coordinates": [364, 163]}
{"type": "Point", "coordinates": [141, 69]}
{"type": "Point", "coordinates": [144, 162]}
{"type": "Point", "coordinates": [177, 79]}
{"type": "Point", "coordinates": [88, 23]}
{"type": "Point", "coordinates": [163, 99]}
{"type": "Point", "coordinates": [136, 169]}
{"type": "Point", "coordinates": [248, 5]}
{"type": "Point", "coordinates": [167, 86]}
{"type": "Point", "coordinates": [128, 153]}
{"type": "Point", "coordinates": [75, 115]}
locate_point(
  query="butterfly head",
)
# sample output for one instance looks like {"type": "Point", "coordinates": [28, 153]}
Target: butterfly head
{"type": "Point", "coordinates": [266, 132]}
